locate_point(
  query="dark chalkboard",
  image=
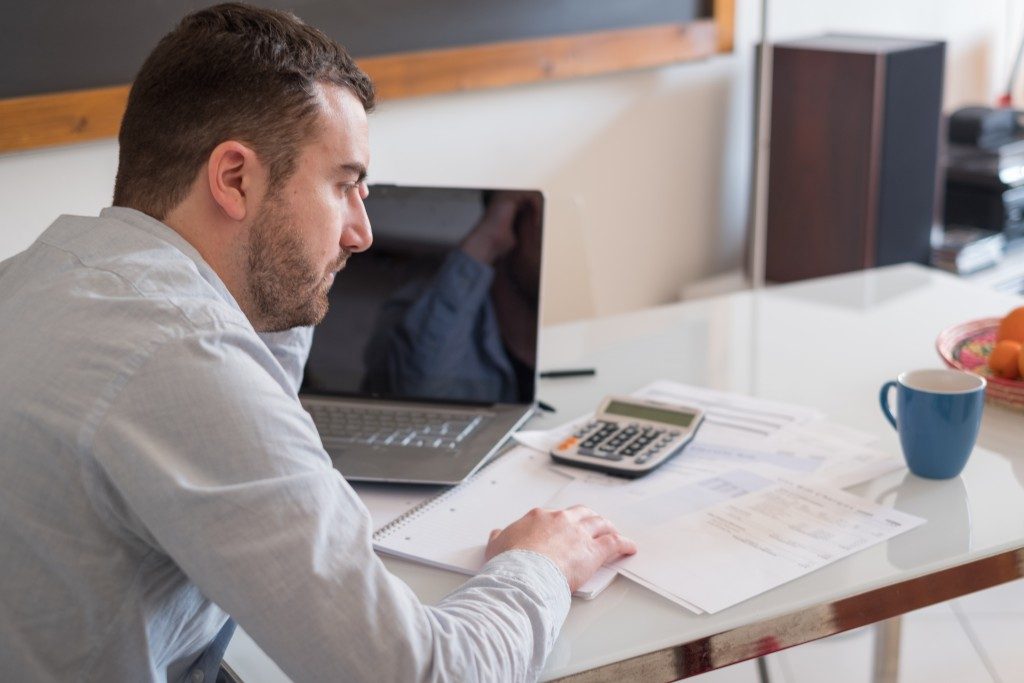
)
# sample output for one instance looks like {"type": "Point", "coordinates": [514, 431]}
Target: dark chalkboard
{"type": "Point", "coordinates": [57, 45]}
{"type": "Point", "coordinates": [67, 64]}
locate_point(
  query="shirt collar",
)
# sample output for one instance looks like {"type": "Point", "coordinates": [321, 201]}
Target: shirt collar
{"type": "Point", "coordinates": [164, 232]}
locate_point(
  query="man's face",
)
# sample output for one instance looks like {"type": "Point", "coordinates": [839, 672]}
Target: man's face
{"type": "Point", "coordinates": [305, 231]}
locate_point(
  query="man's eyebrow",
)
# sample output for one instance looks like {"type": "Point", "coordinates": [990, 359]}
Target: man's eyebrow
{"type": "Point", "coordinates": [354, 167]}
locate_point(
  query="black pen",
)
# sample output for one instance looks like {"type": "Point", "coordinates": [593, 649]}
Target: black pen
{"type": "Point", "coordinates": [574, 372]}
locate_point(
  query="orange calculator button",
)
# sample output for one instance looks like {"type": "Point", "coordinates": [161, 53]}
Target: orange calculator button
{"type": "Point", "coordinates": [568, 443]}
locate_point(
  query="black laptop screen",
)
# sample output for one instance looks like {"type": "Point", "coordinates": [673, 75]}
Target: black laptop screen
{"type": "Point", "coordinates": [443, 306]}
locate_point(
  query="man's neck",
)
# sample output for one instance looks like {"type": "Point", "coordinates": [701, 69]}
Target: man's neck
{"type": "Point", "coordinates": [220, 243]}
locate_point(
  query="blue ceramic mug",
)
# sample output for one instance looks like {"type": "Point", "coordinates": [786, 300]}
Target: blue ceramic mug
{"type": "Point", "coordinates": [938, 413]}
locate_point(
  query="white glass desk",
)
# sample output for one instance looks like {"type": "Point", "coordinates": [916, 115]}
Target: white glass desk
{"type": "Point", "coordinates": [828, 343]}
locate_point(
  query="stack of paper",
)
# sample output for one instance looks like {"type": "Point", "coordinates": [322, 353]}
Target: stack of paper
{"type": "Point", "coordinates": [754, 434]}
{"type": "Point", "coordinates": [714, 543]}
{"type": "Point", "coordinates": [753, 502]}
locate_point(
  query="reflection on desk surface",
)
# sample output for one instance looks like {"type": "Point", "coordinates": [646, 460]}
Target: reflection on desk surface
{"type": "Point", "coordinates": [859, 290]}
{"type": "Point", "coordinates": [945, 505]}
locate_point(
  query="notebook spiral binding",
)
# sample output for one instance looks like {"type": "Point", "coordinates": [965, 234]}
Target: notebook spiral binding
{"type": "Point", "coordinates": [409, 515]}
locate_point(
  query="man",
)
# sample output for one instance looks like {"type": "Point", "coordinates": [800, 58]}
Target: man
{"type": "Point", "coordinates": [157, 472]}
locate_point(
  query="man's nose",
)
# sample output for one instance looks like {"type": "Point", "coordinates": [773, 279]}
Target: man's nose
{"type": "Point", "coordinates": [357, 235]}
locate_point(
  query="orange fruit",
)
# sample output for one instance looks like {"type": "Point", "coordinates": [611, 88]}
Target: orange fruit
{"type": "Point", "coordinates": [1020, 361]}
{"type": "Point", "coordinates": [1012, 326]}
{"type": "Point", "coordinates": [1005, 359]}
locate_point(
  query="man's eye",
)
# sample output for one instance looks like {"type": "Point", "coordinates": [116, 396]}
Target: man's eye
{"type": "Point", "coordinates": [354, 187]}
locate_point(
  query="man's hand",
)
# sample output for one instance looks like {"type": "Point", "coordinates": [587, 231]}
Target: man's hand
{"type": "Point", "coordinates": [577, 540]}
{"type": "Point", "coordinates": [495, 234]}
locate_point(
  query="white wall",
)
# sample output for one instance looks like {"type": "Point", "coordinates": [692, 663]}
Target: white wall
{"type": "Point", "coordinates": [646, 173]}
{"type": "Point", "coordinates": [980, 41]}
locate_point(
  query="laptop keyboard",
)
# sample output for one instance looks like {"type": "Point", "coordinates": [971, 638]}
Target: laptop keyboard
{"type": "Point", "coordinates": [346, 423]}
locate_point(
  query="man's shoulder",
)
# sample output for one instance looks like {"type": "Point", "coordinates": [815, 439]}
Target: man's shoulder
{"type": "Point", "coordinates": [87, 312]}
{"type": "Point", "coordinates": [95, 293]}
{"type": "Point", "coordinates": [104, 262]}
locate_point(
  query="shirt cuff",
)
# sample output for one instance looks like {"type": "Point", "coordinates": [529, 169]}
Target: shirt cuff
{"type": "Point", "coordinates": [538, 573]}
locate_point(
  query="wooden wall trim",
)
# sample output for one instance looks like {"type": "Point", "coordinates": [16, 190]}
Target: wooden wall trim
{"type": "Point", "coordinates": [724, 12]}
{"type": "Point", "coordinates": [61, 118]}
{"type": "Point", "coordinates": [528, 61]}
{"type": "Point", "coordinates": [83, 115]}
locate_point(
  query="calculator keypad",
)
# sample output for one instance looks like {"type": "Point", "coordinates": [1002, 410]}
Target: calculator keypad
{"type": "Point", "coordinates": [628, 437]}
{"type": "Point", "coordinates": [614, 441]}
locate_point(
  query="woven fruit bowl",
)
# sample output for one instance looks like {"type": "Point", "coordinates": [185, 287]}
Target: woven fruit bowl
{"type": "Point", "coordinates": [966, 346]}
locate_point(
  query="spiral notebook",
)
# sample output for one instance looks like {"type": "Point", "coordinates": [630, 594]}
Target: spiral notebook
{"type": "Point", "coordinates": [450, 530]}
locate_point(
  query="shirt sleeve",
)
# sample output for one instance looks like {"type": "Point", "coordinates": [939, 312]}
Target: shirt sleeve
{"type": "Point", "coordinates": [226, 473]}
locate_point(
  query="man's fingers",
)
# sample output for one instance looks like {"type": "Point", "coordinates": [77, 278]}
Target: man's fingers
{"type": "Point", "coordinates": [579, 512]}
{"type": "Point", "coordinates": [591, 522]}
{"type": "Point", "coordinates": [595, 525]}
{"type": "Point", "coordinates": [613, 545]}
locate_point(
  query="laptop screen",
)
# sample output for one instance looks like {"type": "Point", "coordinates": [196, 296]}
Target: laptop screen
{"type": "Point", "coordinates": [443, 306]}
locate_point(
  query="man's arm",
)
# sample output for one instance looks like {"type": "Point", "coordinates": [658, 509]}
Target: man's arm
{"type": "Point", "coordinates": [225, 471]}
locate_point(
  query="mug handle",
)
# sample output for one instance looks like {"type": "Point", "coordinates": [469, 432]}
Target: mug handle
{"type": "Point", "coordinates": [883, 399]}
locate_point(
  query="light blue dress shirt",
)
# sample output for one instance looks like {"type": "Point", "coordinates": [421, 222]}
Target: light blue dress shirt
{"type": "Point", "coordinates": [157, 472]}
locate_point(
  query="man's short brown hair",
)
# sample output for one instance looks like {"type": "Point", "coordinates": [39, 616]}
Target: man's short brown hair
{"type": "Point", "coordinates": [229, 72]}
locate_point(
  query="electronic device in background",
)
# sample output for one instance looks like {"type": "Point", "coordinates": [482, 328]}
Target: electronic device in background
{"type": "Point", "coordinates": [965, 250]}
{"type": "Point", "coordinates": [983, 127]}
{"type": "Point", "coordinates": [629, 436]}
{"type": "Point", "coordinates": [985, 171]}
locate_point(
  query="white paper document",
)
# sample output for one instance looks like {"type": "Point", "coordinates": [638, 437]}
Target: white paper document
{"type": "Point", "coordinates": [836, 461]}
{"type": "Point", "coordinates": [754, 501]}
{"type": "Point", "coordinates": [545, 440]}
{"type": "Point", "coordinates": [764, 436]}
{"type": "Point", "coordinates": [791, 437]}
{"type": "Point", "coordinates": [744, 546]}
{"type": "Point", "coordinates": [729, 416]}
{"type": "Point", "coordinates": [640, 504]}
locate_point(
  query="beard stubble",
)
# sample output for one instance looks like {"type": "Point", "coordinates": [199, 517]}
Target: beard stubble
{"type": "Point", "coordinates": [285, 287]}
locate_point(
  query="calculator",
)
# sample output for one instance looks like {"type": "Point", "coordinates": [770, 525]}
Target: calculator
{"type": "Point", "coordinates": [629, 436]}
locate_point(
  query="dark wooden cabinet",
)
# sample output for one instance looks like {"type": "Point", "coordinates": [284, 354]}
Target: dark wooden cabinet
{"type": "Point", "coordinates": [853, 154]}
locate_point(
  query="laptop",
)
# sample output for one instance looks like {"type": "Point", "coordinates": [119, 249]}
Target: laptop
{"type": "Point", "coordinates": [426, 360]}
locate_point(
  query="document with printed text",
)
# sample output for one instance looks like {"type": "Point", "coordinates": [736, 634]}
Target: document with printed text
{"type": "Point", "coordinates": [746, 545]}
{"type": "Point", "coordinates": [754, 501]}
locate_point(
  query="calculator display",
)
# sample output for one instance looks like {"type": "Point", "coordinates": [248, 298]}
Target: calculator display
{"type": "Point", "coordinates": [640, 412]}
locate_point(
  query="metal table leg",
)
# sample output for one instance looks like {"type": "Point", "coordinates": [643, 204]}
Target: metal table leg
{"type": "Point", "coordinates": [887, 651]}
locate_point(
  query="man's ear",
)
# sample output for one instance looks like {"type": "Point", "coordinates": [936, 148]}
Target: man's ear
{"type": "Point", "coordinates": [234, 174]}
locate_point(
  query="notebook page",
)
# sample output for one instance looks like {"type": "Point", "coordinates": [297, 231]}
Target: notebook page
{"type": "Point", "coordinates": [451, 531]}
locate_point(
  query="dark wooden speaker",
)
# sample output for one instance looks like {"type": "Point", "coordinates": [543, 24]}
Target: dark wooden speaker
{"type": "Point", "coordinates": [853, 154]}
